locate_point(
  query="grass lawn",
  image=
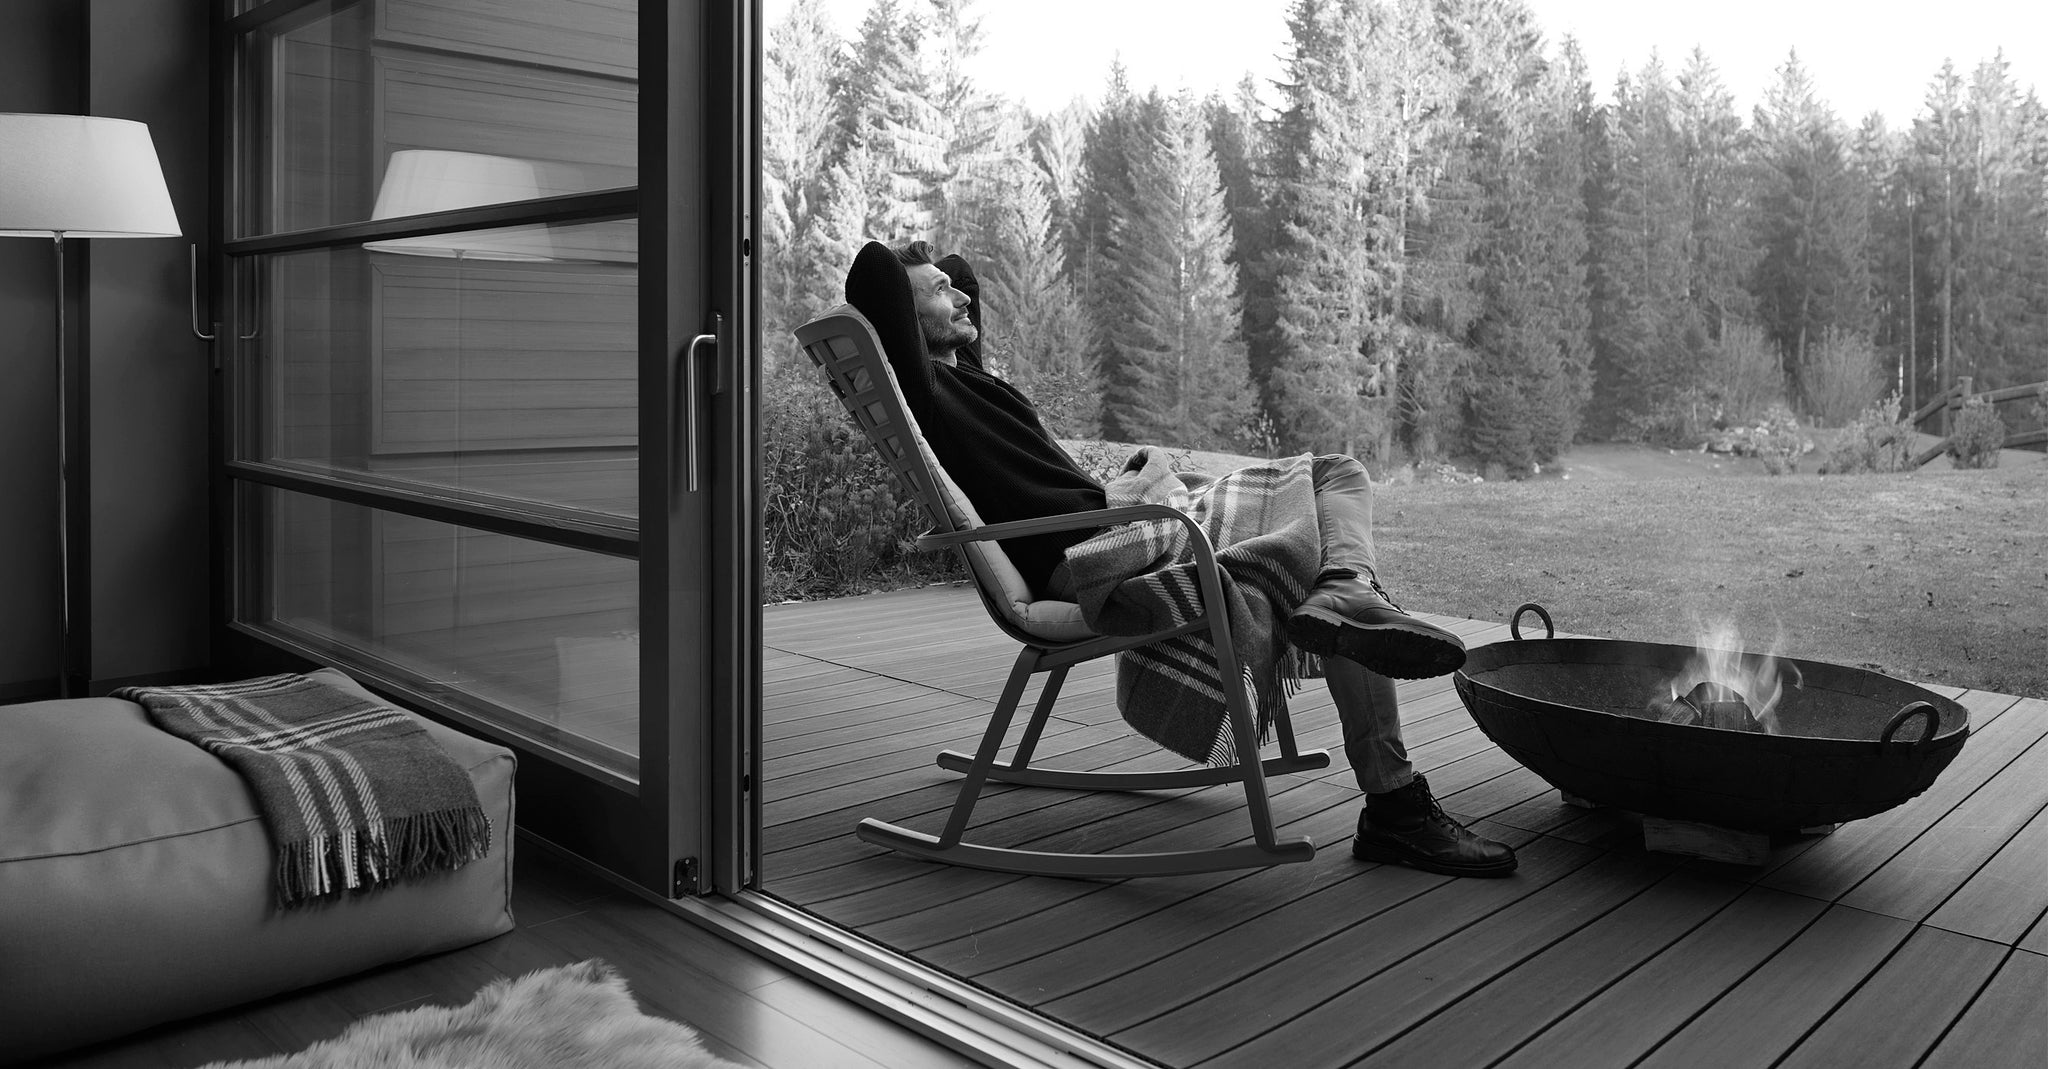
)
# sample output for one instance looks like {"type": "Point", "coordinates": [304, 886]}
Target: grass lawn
{"type": "Point", "coordinates": [1935, 576]}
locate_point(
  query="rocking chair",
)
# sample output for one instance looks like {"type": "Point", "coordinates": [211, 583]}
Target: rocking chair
{"type": "Point", "coordinates": [845, 346]}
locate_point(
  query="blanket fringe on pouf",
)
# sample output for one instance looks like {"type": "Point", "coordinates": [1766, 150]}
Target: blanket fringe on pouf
{"type": "Point", "coordinates": [354, 793]}
{"type": "Point", "coordinates": [1141, 577]}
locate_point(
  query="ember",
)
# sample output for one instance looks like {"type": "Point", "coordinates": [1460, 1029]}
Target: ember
{"type": "Point", "coordinates": [1711, 705]}
{"type": "Point", "coordinates": [1714, 688]}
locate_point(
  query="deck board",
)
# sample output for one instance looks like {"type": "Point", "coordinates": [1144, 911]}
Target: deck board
{"type": "Point", "coordinates": [1596, 953]}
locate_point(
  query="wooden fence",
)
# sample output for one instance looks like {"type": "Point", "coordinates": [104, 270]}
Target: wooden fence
{"type": "Point", "coordinates": [1953, 399]}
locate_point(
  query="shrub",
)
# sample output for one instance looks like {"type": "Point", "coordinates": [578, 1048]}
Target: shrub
{"type": "Point", "coordinates": [1682, 421]}
{"type": "Point", "coordinates": [1876, 441]}
{"type": "Point", "coordinates": [1977, 435]}
{"type": "Point", "coordinates": [834, 520]}
{"type": "Point", "coordinates": [1841, 376]}
{"type": "Point", "coordinates": [1742, 373]}
{"type": "Point", "coordinates": [1776, 439]}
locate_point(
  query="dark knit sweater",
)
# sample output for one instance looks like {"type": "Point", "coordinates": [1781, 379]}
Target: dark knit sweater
{"type": "Point", "coordinates": [984, 432]}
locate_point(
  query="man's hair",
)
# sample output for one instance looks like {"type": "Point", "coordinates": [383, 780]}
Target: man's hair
{"type": "Point", "coordinates": [912, 253]}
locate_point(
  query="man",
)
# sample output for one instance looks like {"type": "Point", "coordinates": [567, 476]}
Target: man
{"type": "Point", "coordinates": [988, 437]}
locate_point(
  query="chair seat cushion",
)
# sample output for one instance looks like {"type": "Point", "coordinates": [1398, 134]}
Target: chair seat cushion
{"type": "Point", "coordinates": [1053, 621]}
{"type": "Point", "coordinates": [136, 880]}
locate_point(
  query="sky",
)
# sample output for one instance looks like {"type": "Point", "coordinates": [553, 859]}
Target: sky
{"type": "Point", "coordinates": [1863, 55]}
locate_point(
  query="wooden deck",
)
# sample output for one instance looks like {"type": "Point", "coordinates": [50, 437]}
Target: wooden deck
{"type": "Point", "coordinates": [1913, 938]}
{"type": "Point", "coordinates": [745, 1008]}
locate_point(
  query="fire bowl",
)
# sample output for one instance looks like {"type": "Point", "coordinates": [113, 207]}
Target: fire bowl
{"type": "Point", "coordinates": [1581, 713]}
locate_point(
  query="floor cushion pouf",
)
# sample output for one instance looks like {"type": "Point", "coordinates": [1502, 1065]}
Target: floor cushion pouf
{"type": "Point", "coordinates": [136, 880]}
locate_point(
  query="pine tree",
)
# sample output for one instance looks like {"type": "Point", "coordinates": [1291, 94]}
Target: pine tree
{"type": "Point", "coordinates": [1239, 140]}
{"type": "Point", "coordinates": [1034, 332]}
{"type": "Point", "coordinates": [967, 122]}
{"type": "Point", "coordinates": [2000, 321]}
{"type": "Point", "coordinates": [1640, 232]}
{"type": "Point", "coordinates": [887, 112]}
{"type": "Point", "coordinates": [1353, 163]}
{"type": "Point", "coordinates": [1531, 352]}
{"type": "Point", "coordinates": [1721, 256]}
{"type": "Point", "coordinates": [1176, 372]}
{"type": "Point", "coordinates": [1814, 274]}
{"type": "Point", "coordinates": [1115, 272]}
{"type": "Point", "coordinates": [796, 132]}
{"type": "Point", "coordinates": [1879, 158]}
{"type": "Point", "coordinates": [1940, 151]}
{"type": "Point", "coordinates": [1210, 392]}
{"type": "Point", "coordinates": [1058, 140]}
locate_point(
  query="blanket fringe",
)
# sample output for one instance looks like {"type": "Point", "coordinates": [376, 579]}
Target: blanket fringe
{"type": "Point", "coordinates": [1269, 700]}
{"type": "Point", "coordinates": [358, 859]}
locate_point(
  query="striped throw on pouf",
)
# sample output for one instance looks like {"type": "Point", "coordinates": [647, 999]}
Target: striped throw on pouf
{"type": "Point", "coordinates": [355, 794]}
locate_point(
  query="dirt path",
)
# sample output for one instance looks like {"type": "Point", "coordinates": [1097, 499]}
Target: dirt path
{"type": "Point", "coordinates": [1614, 461]}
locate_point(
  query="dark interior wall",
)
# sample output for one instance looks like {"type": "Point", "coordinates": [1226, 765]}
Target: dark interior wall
{"type": "Point", "coordinates": [151, 376]}
{"type": "Point", "coordinates": [42, 52]}
{"type": "Point", "coordinates": [145, 454]}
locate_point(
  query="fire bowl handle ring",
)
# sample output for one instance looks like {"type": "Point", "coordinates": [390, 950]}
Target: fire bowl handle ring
{"type": "Point", "coordinates": [1515, 621]}
{"type": "Point", "coordinates": [1899, 718]}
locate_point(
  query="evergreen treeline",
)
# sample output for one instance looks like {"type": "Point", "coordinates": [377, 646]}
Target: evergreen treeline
{"type": "Point", "coordinates": [1427, 241]}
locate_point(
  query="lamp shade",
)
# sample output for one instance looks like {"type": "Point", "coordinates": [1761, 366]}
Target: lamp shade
{"type": "Point", "coordinates": [81, 176]}
{"type": "Point", "coordinates": [422, 181]}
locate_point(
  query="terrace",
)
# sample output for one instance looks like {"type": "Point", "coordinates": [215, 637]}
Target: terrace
{"type": "Point", "coordinates": [1911, 938]}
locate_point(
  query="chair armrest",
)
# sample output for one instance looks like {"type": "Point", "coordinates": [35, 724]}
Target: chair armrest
{"type": "Point", "coordinates": [1208, 574]}
{"type": "Point", "coordinates": [1070, 521]}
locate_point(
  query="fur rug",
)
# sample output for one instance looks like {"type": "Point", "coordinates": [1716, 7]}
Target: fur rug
{"type": "Point", "coordinates": [574, 1017]}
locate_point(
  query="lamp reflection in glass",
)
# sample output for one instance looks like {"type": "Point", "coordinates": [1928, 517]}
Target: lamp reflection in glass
{"type": "Point", "coordinates": [77, 176]}
{"type": "Point", "coordinates": [423, 181]}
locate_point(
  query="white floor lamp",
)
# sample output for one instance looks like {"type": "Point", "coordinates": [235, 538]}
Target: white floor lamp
{"type": "Point", "coordinates": [77, 176]}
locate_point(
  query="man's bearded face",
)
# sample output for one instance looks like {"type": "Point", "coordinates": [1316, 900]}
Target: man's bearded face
{"type": "Point", "coordinates": [941, 309]}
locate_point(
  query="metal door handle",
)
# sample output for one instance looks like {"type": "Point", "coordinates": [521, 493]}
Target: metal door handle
{"type": "Point", "coordinates": [192, 275]}
{"type": "Point", "coordinates": [688, 371]}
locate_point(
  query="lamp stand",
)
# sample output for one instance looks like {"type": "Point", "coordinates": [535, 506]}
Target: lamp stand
{"type": "Point", "coordinates": [63, 487]}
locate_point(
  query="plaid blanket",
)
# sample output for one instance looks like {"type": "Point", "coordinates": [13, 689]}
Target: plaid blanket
{"type": "Point", "coordinates": [354, 793]}
{"type": "Point", "coordinates": [1141, 577]}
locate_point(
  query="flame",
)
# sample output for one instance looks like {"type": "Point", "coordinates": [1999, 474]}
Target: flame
{"type": "Point", "coordinates": [1718, 658]}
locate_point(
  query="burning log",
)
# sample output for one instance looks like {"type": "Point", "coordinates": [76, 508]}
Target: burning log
{"type": "Point", "coordinates": [1710, 704]}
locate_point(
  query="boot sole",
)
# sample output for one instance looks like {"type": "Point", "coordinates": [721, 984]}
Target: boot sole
{"type": "Point", "coordinates": [1392, 855]}
{"type": "Point", "coordinates": [1399, 651]}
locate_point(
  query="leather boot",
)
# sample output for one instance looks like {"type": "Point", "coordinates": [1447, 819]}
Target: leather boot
{"type": "Point", "coordinates": [1349, 615]}
{"type": "Point", "coordinates": [1408, 827]}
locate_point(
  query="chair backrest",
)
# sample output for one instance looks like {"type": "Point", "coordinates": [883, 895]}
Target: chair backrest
{"type": "Point", "coordinates": [844, 346]}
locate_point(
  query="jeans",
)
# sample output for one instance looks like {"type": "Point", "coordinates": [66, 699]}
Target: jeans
{"type": "Point", "coordinates": [1366, 705]}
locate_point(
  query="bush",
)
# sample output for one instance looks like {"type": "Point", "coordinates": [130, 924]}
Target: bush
{"type": "Point", "coordinates": [1977, 435]}
{"type": "Point", "coordinates": [1776, 439]}
{"type": "Point", "coordinates": [1681, 422]}
{"type": "Point", "coordinates": [1876, 441]}
{"type": "Point", "coordinates": [1742, 373]}
{"type": "Point", "coordinates": [1841, 377]}
{"type": "Point", "coordinates": [834, 520]}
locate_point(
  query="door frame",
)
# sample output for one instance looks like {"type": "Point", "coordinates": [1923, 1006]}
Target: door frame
{"type": "Point", "coordinates": [684, 827]}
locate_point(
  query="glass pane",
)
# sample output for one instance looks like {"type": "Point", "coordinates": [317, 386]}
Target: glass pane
{"type": "Point", "coordinates": [500, 363]}
{"type": "Point", "coordinates": [541, 637]}
{"type": "Point", "coordinates": [385, 108]}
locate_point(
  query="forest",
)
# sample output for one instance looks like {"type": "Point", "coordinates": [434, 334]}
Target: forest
{"type": "Point", "coordinates": [1429, 240]}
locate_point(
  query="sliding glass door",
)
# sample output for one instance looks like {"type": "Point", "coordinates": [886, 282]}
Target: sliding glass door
{"type": "Point", "coordinates": [481, 403]}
